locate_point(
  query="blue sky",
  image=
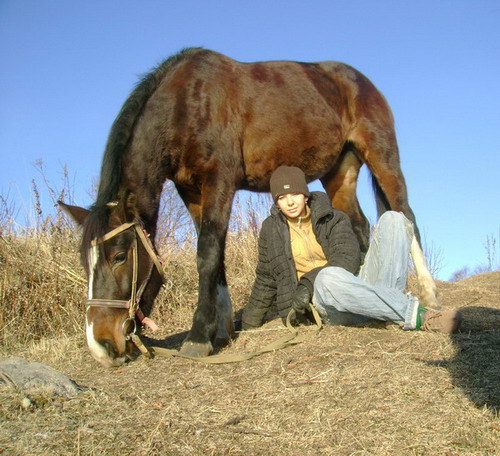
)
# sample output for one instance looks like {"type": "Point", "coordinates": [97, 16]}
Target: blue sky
{"type": "Point", "coordinates": [67, 67]}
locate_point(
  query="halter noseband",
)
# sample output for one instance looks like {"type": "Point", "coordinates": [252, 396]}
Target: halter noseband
{"type": "Point", "coordinates": [131, 304]}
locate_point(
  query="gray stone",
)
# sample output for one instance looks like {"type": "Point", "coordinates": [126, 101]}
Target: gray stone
{"type": "Point", "coordinates": [32, 376]}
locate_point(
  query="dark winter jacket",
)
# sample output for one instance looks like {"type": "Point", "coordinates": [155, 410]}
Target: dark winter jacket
{"type": "Point", "coordinates": [276, 277]}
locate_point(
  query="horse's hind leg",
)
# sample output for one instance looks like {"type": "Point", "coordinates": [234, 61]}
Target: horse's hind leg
{"type": "Point", "coordinates": [213, 319]}
{"type": "Point", "coordinates": [377, 147]}
{"type": "Point", "coordinates": [427, 286]}
{"type": "Point", "coordinates": [382, 158]}
{"type": "Point", "coordinates": [340, 184]}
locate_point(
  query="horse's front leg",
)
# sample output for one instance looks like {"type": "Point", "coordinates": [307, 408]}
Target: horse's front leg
{"type": "Point", "coordinates": [224, 307]}
{"type": "Point", "coordinates": [213, 318]}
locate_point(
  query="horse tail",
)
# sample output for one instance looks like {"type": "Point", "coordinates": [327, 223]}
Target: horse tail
{"type": "Point", "coordinates": [123, 126]}
{"type": "Point", "coordinates": [380, 199]}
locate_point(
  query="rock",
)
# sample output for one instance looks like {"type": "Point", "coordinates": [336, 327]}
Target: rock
{"type": "Point", "coordinates": [26, 403]}
{"type": "Point", "coordinates": [28, 376]}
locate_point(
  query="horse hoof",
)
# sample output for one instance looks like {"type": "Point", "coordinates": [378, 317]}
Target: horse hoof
{"type": "Point", "coordinates": [430, 301]}
{"type": "Point", "coordinates": [195, 349]}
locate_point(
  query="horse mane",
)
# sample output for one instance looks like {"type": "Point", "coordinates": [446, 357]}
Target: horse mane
{"type": "Point", "coordinates": [97, 222]}
{"type": "Point", "coordinates": [123, 126]}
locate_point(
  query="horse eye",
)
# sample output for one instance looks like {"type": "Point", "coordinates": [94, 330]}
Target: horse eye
{"type": "Point", "coordinates": [119, 258]}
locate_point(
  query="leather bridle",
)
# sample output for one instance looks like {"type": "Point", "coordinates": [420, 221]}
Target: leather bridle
{"type": "Point", "coordinates": [132, 304]}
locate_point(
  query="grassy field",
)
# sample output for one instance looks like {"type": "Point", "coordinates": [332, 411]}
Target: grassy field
{"type": "Point", "coordinates": [345, 391]}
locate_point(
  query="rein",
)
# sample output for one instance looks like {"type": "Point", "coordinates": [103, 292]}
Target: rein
{"type": "Point", "coordinates": [131, 304]}
{"type": "Point", "coordinates": [291, 338]}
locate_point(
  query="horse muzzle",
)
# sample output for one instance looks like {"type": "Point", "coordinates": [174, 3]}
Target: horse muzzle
{"type": "Point", "coordinates": [110, 342]}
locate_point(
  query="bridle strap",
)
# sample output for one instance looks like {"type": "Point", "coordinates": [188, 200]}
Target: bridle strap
{"type": "Point", "coordinates": [135, 295]}
{"type": "Point", "coordinates": [113, 233]}
{"type": "Point", "coordinates": [133, 291]}
{"type": "Point", "coordinates": [112, 303]}
{"type": "Point", "coordinates": [146, 241]}
{"type": "Point", "coordinates": [148, 245]}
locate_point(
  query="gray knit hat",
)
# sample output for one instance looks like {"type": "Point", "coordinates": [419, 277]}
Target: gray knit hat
{"type": "Point", "coordinates": [288, 179]}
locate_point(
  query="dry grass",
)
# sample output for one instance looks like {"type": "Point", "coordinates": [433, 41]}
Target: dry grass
{"type": "Point", "coordinates": [41, 286]}
{"type": "Point", "coordinates": [347, 391]}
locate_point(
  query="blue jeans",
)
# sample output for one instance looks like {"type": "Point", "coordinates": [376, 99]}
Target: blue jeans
{"type": "Point", "coordinates": [377, 293]}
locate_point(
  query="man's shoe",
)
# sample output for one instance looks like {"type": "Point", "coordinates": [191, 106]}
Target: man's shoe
{"type": "Point", "coordinates": [444, 321]}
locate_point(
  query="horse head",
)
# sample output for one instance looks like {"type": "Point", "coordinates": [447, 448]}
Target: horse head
{"type": "Point", "coordinates": [123, 274]}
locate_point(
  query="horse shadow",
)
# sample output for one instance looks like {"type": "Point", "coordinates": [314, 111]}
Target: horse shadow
{"type": "Point", "coordinates": [475, 368]}
{"type": "Point", "coordinates": [174, 341]}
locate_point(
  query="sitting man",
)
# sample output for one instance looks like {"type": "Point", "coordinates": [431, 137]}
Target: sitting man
{"type": "Point", "coordinates": [308, 252]}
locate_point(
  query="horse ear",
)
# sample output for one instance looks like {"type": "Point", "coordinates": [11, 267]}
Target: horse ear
{"type": "Point", "coordinates": [78, 214]}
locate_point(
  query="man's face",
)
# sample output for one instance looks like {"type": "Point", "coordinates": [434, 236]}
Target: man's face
{"type": "Point", "coordinates": [293, 205]}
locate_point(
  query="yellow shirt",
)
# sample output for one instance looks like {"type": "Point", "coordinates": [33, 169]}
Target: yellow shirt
{"type": "Point", "coordinates": [307, 253]}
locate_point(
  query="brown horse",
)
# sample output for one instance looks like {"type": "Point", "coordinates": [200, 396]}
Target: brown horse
{"type": "Point", "coordinates": [214, 125]}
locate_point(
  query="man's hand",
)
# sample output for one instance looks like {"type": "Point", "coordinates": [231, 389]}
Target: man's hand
{"type": "Point", "coordinates": [301, 299]}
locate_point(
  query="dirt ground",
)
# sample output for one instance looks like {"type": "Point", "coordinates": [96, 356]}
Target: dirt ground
{"type": "Point", "coordinates": [345, 391]}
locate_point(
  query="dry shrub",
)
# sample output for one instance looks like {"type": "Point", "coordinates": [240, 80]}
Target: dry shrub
{"type": "Point", "coordinates": [41, 285]}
